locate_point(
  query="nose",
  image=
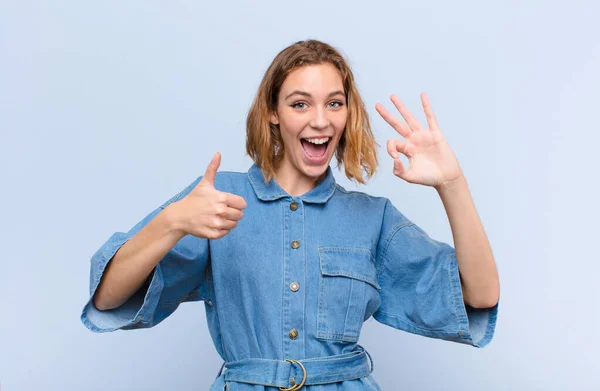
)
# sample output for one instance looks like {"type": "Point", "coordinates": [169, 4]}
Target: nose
{"type": "Point", "coordinates": [320, 120]}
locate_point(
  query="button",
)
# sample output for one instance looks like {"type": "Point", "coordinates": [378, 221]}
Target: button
{"type": "Point", "coordinates": [295, 244]}
{"type": "Point", "coordinates": [294, 205]}
{"type": "Point", "coordinates": [293, 334]}
{"type": "Point", "coordinates": [294, 286]}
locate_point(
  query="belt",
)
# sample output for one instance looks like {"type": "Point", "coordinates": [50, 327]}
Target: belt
{"type": "Point", "coordinates": [291, 375]}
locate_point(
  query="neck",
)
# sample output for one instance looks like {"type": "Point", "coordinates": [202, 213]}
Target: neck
{"type": "Point", "coordinates": [295, 183]}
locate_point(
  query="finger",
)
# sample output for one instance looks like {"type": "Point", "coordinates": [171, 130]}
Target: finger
{"type": "Point", "coordinates": [400, 126]}
{"type": "Point", "coordinates": [431, 121]}
{"type": "Point", "coordinates": [211, 170]}
{"type": "Point", "coordinates": [408, 117]}
{"type": "Point", "coordinates": [231, 214]}
{"type": "Point", "coordinates": [395, 146]}
{"type": "Point", "coordinates": [235, 201]}
{"type": "Point", "coordinates": [222, 223]}
{"type": "Point", "coordinates": [216, 233]}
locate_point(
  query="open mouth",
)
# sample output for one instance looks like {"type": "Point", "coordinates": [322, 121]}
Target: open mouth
{"type": "Point", "coordinates": [315, 147]}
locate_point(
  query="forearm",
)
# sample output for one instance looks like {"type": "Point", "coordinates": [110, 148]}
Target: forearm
{"type": "Point", "coordinates": [132, 264]}
{"type": "Point", "coordinates": [479, 276]}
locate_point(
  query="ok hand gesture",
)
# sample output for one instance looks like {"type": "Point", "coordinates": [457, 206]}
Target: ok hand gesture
{"type": "Point", "coordinates": [432, 162]}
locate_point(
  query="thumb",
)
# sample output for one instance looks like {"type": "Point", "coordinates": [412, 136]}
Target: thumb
{"type": "Point", "coordinates": [211, 170]}
{"type": "Point", "coordinates": [399, 169]}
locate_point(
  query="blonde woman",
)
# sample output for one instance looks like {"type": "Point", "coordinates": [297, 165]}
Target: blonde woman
{"type": "Point", "coordinates": [290, 264]}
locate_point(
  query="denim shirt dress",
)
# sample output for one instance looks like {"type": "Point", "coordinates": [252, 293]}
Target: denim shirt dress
{"type": "Point", "coordinates": [295, 280]}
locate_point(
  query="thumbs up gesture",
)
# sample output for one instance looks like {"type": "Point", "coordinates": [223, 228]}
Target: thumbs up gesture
{"type": "Point", "coordinates": [208, 212]}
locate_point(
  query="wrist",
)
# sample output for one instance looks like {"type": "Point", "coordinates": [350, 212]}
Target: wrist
{"type": "Point", "coordinates": [175, 219]}
{"type": "Point", "coordinates": [452, 185]}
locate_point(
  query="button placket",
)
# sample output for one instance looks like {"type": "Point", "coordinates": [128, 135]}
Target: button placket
{"type": "Point", "coordinates": [294, 272]}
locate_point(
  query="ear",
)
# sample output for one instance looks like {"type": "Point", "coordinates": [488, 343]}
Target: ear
{"type": "Point", "coordinates": [274, 118]}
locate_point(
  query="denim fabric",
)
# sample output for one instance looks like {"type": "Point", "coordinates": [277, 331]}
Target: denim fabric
{"type": "Point", "coordinates": [357, 257]}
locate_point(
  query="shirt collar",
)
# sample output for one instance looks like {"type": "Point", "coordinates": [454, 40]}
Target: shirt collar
{"type": "Point", "coordinates": [272, 191]}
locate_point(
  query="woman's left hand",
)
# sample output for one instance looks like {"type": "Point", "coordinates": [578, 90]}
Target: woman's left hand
{"type": "Point", "coordinates": [432, 162]}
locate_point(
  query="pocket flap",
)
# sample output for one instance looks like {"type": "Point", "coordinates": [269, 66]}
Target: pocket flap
{"type": "Point", "coordinates": [357, 263]}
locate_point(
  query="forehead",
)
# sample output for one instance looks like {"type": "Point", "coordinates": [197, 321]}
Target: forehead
{"type": "Point", "coordinates": [314, 79]}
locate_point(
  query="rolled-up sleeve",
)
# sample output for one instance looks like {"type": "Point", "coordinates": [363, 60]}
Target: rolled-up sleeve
{"type": "Point", "coordinates": [180, 276]}
{"type": "Point", "coordinates": [421, 289]}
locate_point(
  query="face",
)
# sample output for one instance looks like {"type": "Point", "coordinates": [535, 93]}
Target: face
{"type": "Point", "coordinates": [311, 114]}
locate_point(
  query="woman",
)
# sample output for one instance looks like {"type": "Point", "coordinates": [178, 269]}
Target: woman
{"type": "Point", "coordinates": [288, 263]}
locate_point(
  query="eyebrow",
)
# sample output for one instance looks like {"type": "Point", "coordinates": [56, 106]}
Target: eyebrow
{"type": "Point", "coordinates": [304, 93]}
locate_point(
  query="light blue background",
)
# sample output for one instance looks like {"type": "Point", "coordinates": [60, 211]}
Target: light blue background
{"type": "Point", "coordinates": [108, 109]}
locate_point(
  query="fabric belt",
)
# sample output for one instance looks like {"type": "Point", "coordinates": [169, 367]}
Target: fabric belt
{"type": "Point", "coordinates": [290, 374]}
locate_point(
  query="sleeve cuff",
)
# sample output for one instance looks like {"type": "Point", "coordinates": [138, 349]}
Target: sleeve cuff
{"type": "Point", "coordinates": [476, 326]}
{"type": "Point", "coordinates": [136, 312]}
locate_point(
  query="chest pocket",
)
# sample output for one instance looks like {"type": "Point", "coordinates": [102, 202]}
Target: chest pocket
{"type": "Point", "coordinates": [348, 292]}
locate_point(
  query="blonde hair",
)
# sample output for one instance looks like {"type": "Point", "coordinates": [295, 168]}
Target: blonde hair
{"type": "Point", "coordinates": [356, 149]}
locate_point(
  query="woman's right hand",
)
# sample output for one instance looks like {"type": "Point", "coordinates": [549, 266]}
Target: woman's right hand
{"type": "Point", "coordinates": [207, 212]}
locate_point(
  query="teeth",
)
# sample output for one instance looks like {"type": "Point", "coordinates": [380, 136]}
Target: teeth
{"type": "Point", "coordinates": [317, 140]}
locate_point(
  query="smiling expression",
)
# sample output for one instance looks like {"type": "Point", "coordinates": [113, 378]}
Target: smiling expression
{"type": "Point", "coordinates": [311, 114]}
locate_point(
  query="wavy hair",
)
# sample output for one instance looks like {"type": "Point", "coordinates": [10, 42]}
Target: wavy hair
{"type": "Point", "coordinates": [357, 148]}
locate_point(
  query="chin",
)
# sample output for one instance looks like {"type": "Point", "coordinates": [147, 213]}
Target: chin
{"type": "Point", "coordinates": [313, 171]}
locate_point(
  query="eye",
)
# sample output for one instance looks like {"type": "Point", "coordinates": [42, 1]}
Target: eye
{"type": "Point", "coordinates": [295, 105]}
{"type": "Point", "coordinates": [338, 103]}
